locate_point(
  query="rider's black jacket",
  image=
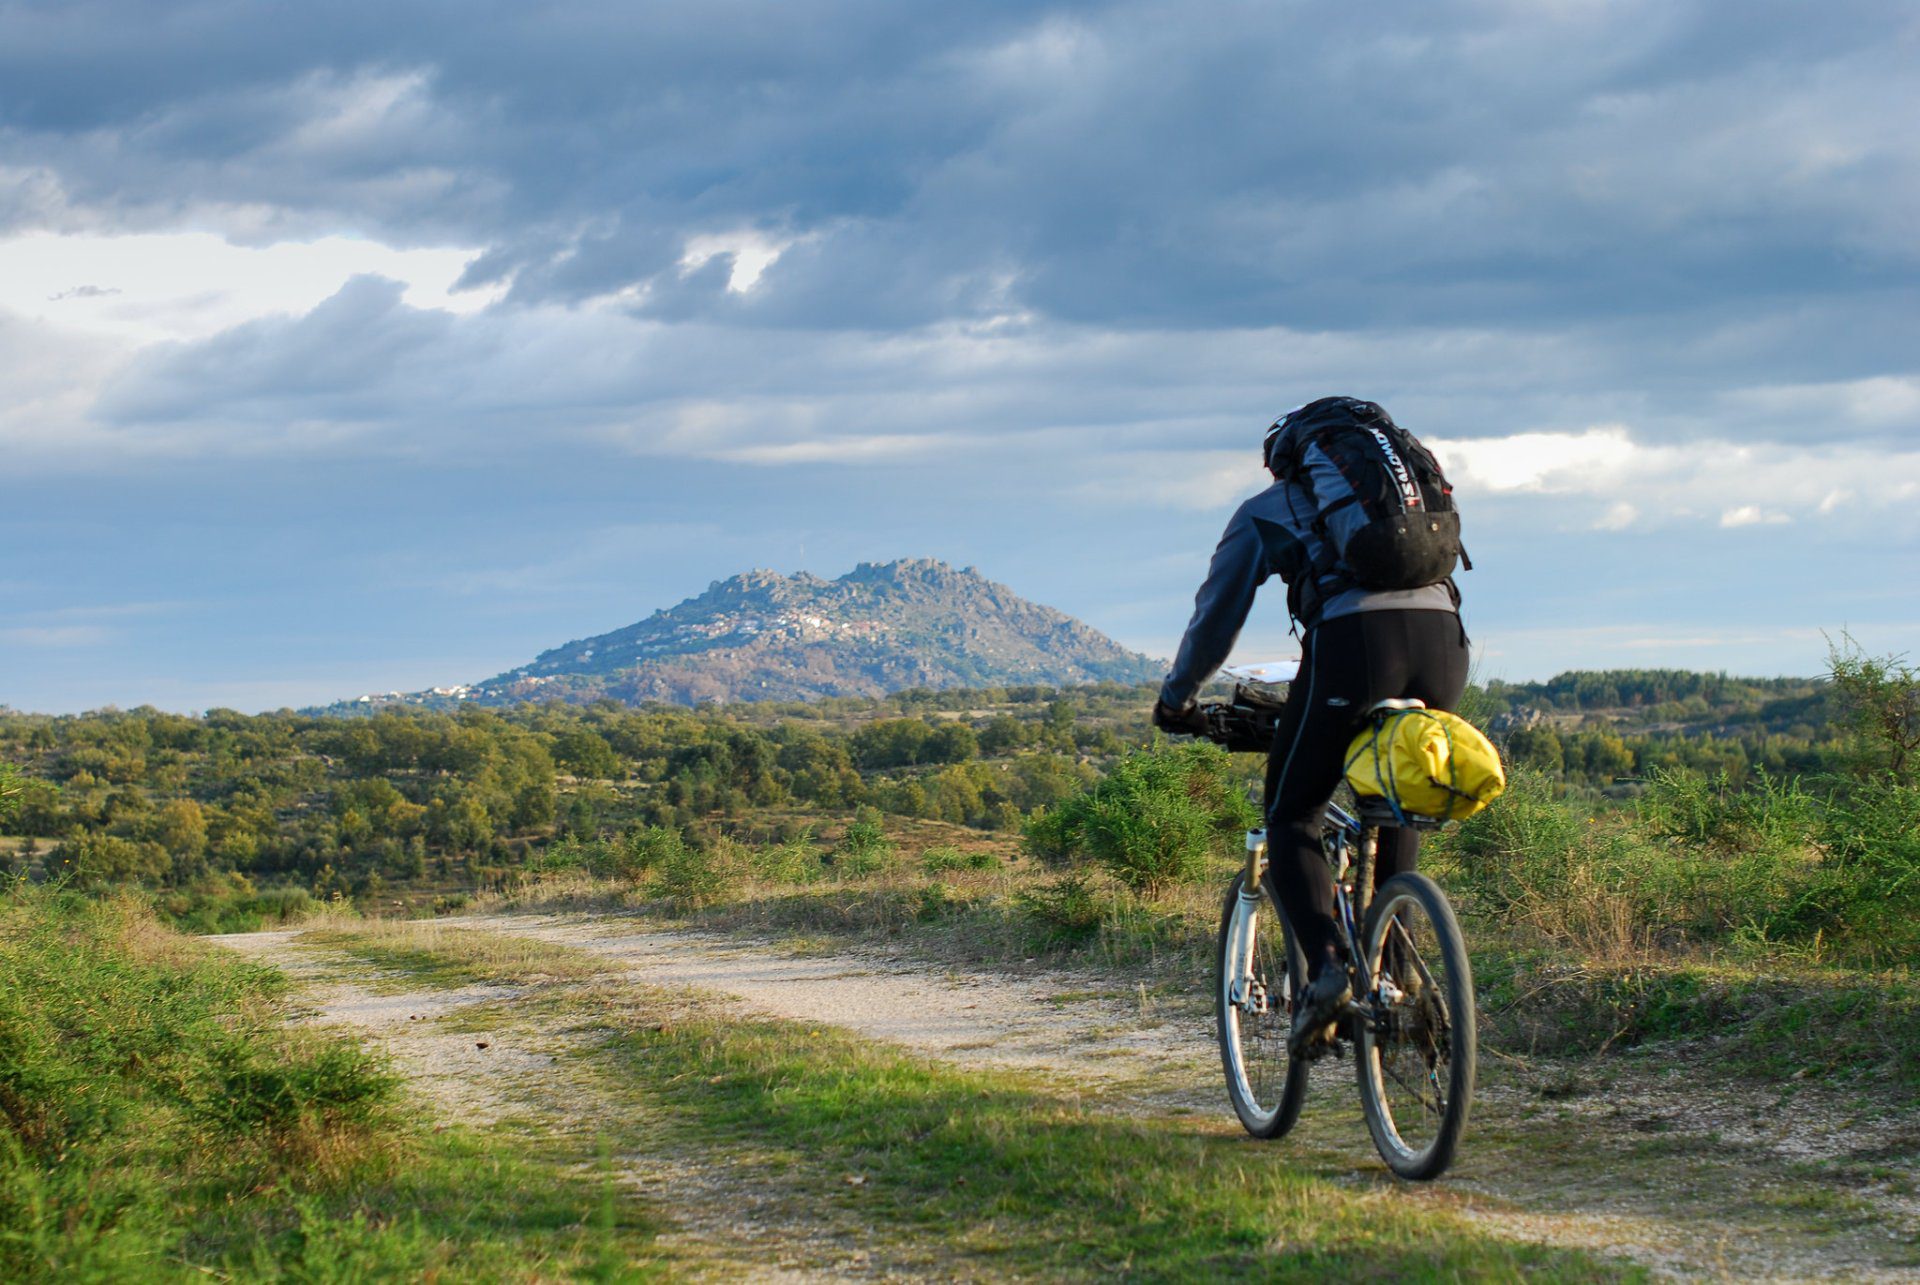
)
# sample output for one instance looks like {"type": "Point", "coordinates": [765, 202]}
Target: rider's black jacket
{"type": "Point", "coordinates": [1275, 525]}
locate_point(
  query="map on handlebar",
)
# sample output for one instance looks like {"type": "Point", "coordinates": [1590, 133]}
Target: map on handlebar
{"type": "Point", "coordinates": [1267, 673]}
{"type": "Point", "coordinates": [1247, 722]}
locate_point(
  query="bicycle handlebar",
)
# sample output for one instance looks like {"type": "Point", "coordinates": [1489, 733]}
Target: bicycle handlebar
{"type": "Point", "coordinates": [1246, 723]}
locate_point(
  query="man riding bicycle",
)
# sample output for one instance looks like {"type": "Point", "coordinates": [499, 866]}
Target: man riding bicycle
{"type": "Point", "coordinates": [1361, 645]}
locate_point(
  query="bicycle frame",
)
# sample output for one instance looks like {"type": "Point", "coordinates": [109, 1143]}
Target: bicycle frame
{"type": "Point", "coordinates": [1411, 1026]}
{"type": "Point", "coordinates": [1350, 897]}
{"type": "Point", "coordinates": [1342, 837]}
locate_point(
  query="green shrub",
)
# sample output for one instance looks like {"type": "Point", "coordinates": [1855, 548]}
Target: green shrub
{"type": "Point", "coordinates": [106, 1020]}
{"type": "Point", "coordinates": [332, 1083]}
{"type": "Point", "coordinates": [1879, 698]}
{"type": "Point", "coordinates": [1866, 892]}
{"type": "Point", "coordinates": [795, 861]}
{"type": "Point", "coordinates": [937, 902]}
{"type": "Point", "coordinates": [228, 903]}
{"type": "Point", "coordinates": [1738, 859]}
{"type": "Point", "coordinates": [694, 877]}
{"type": "Point", "coordinates": [1717, 815]}
{"type": "Point", "coordinates": [1153, 821]}
{"type": "Point", "coordinates": [647, 847]}
{"type": "Point", "coordinates": [1068, 911]}
{"type": "Point", "coordinates": [568, 852]}
{"type": "Point", "coordinates": [160, 1121]}
{"type": "Point", "coordinates": [1529, 863]}
{"type": "Point", "coordinates": [864, 850]}
{"type": "Point", "coordinates": [1701, 861]}
{"type": "Point", "coordinates": [940, 860]}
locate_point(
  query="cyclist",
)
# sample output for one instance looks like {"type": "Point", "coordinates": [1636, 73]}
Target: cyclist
{"type": "Point", "coordinates": [1360, 646]}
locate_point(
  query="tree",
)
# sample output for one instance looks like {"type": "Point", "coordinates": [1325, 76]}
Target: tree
{"type": "Point", "coordinates": [1154, 819]}
{"type": "Point", "coordinates": [108, 861]}
{"type": "Point", "coordinates": [1880, 700]}
{"type": "Point", "coordinates": [1537, 747]}
{"type": "Point", "coordinates": [951, 742]}
{"type": "Point", "coordinates": [181, 828]}
{"type": "Point", "coordinates": [587, 754]}
{"type": "Point", "coordinates": [1003, 734]}
{"type": "Point", "coordinates": [890, 742]}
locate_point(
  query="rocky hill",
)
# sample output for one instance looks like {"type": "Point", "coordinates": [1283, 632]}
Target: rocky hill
{"type": "Point", "coordinates": [880, 628]}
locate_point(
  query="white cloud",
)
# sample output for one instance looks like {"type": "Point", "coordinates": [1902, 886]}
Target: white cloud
{"type": "Point", "coordinates": [840, 450]}
{"type": "Point", "coordinates": [1637, 484]}
{"type": "Point", "coordinates": [158, 286]}
{"type": "Point", "coordinates": [1618, 518]}
{"type": "Point", "coordinates": [751, 252]}
{"type": "Point", "coordinates": [1752, 515]}
{"type": "Point", "coordinates": [1538, 461]}
{"type": "Point", "coordinates": [353, 114]}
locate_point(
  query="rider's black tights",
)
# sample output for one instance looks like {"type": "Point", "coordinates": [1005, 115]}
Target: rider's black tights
{"type": "Point", "coordinates": [1346, 664]}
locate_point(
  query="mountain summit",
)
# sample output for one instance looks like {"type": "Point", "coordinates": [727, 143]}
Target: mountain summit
{"type": "Point", "coordinates": [881, 627]}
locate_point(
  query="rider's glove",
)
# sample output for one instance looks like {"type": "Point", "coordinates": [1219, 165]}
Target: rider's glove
{"type": "Point", "coordinates": [1186, 721]}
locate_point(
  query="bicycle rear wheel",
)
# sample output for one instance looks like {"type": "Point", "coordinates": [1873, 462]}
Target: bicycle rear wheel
{"type": "Point", "coordinates": [1416, 1057]}
{"type": "Point", "coordinates": [1259, 970]}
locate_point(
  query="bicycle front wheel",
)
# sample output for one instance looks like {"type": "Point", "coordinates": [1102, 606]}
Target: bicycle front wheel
{"type": "Point", "coordinates": [1416, 1054]}
{"type": "Point", "coordinates": [1260, 968]}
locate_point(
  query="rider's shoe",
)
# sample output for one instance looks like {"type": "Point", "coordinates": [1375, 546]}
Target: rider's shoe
{"type": "Point", "coordinates": [1319, 1004]}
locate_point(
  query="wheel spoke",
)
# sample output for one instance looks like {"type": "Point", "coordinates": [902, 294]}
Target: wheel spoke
{"type": "Point", "coordinates": [1416, 1062]}
{"type": "Point", "coordinates": [1399, 929]}
{"type": "Point", "coordinates": [1255, 985]}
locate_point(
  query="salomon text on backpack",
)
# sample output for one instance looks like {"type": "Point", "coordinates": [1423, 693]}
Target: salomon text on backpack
{"type": "Point", "coordinates": [1381, 504]}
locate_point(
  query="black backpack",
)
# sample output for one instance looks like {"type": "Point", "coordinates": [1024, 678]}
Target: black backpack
{"type": "Point", "coordinates": [1381, 504]}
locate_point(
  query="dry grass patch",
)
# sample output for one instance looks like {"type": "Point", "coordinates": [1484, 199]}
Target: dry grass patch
{"type": "Point", "coordinates": [453, 954]}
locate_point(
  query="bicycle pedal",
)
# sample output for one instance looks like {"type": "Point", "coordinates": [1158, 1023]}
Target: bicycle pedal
{"type": "Point", "coordinates": [1325, 1044]}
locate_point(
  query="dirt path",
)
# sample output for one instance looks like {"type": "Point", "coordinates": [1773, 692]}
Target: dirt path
{"type": "Point", "coordinates": [464, 1080]}
{"type": "Point", "coordinates": [1637, 1159]}
{"type": "Point", "coordinates": [1055, 1027]}
{"type": "Point", "coordinates": [730, 1225]}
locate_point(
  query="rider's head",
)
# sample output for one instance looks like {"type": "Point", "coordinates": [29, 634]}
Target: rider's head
{"type": "Point", "coordinates": [1273, 436]}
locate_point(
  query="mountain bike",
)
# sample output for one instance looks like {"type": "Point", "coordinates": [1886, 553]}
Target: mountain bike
{"type": "Point", "coordinates": [1411, 1021]}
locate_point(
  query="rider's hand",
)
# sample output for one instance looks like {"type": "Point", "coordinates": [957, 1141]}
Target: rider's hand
{"type": "Point", "coordinates": [1186, 721]}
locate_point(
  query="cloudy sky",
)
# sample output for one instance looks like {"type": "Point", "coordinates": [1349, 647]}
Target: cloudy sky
{"type": "Point", "coordinates": [359, 346]}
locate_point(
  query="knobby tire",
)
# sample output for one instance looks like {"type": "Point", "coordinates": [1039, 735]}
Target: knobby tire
{"type": "Point", "coordinates": [1416, 1061]}
{"type": "Point", "coordinates": [1265, 1084]}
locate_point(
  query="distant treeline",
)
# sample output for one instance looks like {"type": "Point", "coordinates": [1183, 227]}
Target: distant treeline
{"type": "Point", "coordinates": [352, 805]}
{"type": "Point", "coordinates": [228, 804]}
{"type": "Point", "coordinates": [1601, 730]}
{"type": "Point", "coordinates": [1636, 689]}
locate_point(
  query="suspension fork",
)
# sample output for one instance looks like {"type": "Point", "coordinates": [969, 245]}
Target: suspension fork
{"type": "Point", "coordinates": [1241, 948]}
{"type": "Point", "coordinates": [1256, 862]}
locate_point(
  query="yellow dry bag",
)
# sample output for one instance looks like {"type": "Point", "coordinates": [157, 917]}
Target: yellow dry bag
{"type": "Point", "coordinates": [1427, 762]}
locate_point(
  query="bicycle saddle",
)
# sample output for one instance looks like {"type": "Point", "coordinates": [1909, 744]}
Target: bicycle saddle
{"type": "Point", "coordinates": [1395, 705]}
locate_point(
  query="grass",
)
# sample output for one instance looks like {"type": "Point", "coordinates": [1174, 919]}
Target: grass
{"type": "Point", "coordinates": [443, 954]}
{"type": "Point", "coordinates": [1756, 1011]}
{"type": "Point", "coordinates": [160, 1121]}
{"type": "Point", "coordinates": [1774, 1024]}
{"type": "Point", "coordinates": [965, 1172]}
{"type": "Point", "coordinates": [1036, 1185]}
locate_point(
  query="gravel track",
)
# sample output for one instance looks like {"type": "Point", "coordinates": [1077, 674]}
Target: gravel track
{"type": "Point", "coordinates": [1715, 1200]}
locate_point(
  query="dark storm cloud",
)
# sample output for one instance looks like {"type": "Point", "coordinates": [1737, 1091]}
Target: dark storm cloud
{"type": "Point", "coordinates": [339, 362]}
{"type": "Point", "coordinates": [366, 371]}
{"type": "Point", "coordinates": [1042, 273]}
{"type": "Point", "coordinates": [1223, 164]}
